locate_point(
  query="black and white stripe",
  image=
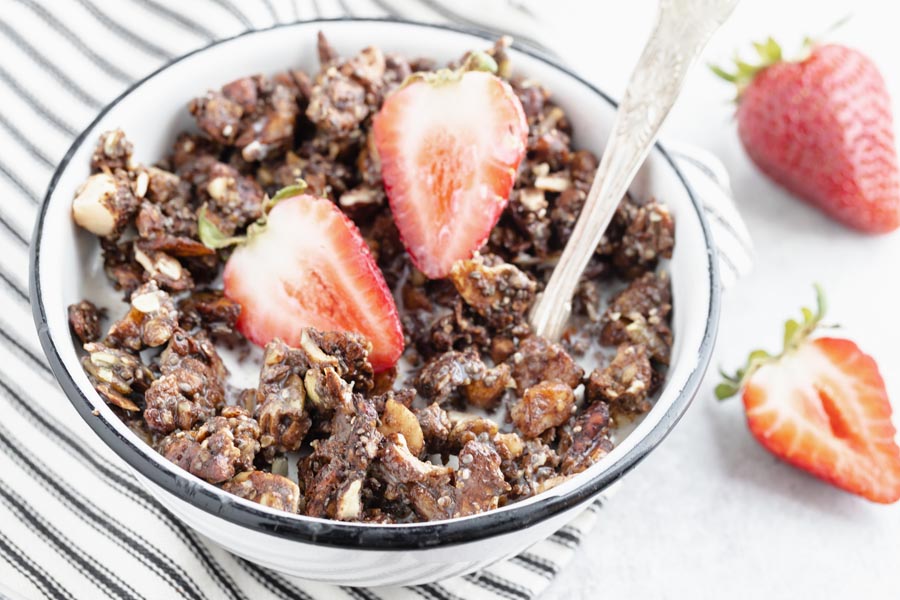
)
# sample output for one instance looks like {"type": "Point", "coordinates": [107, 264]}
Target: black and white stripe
{"type": "Point", "coordinates": [132, 542]}
{"type": "Point", "coordinates": [31, 570]}
{"type": "Point", "coordinates": [57, 26]}
{"type": "Point", "coordinates": [115, 478]}
{"type": "Point", "coordinates": [67, 505]}
{"type": "Point", "coordinates": [105, 580]}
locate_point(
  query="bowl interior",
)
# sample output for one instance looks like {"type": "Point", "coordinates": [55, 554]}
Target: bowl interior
{"type": "Point", "coordinates": [67, 265]}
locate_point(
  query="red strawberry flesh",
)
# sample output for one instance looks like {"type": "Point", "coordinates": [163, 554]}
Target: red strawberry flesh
{"type": "Point", "coordinates": [449, 152]}
{"type": "Point", "coordinates": [824, 408]}
{"type": "Point", "coordinates": [311, 268]}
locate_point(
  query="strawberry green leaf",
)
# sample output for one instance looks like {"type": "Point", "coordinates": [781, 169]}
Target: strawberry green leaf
{"type": "Point", "coordinates": [769, 51]}
{"type": "Point", "coordinates": [211, 236]}
{"type": "Point", "coordinates": [480, 61]}
{"type": "Point", "coordinates": [729, 77]}
{"type": "Point", "coordinates": [288, 192]}
{"type": "Point", "coordinates": [795, 334]}
{"type": "Point", "coordinates": [476, 60]}
{"type": "Point", "coordinates": [726, 390]}
{"type": "Point", "coordinates": [811, 41]}
{"type": "Point", "coordinates": [821, 305]}
{"type": "Point", "coordinates": [758, 356]}
{"type": "Point", "coordinates": [791, 327]}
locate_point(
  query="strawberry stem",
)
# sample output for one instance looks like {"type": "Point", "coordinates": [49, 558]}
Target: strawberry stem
{"type": "Point", "coordinates": [475, 60]}
{"type": "Point", "coordinates": [287, 192]}
{"type": "Point", "coordinates": [480, 61]}
{"type": "Point", "coordinates": [796, 333]}
{"type": "Point", "coordinates": [768, 53]}
{"type": "Point", "coordinates": [814, 40]}
{"type": "Point", "coordinates": [213, 237]}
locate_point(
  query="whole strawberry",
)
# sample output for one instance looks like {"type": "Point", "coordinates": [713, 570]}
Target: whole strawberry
{"type": "Point", "coordinates": [822, 128]}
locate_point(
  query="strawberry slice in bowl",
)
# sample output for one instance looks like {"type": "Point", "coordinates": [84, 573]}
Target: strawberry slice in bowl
{"type": "Point", "coordinates": [450, 144]}
{"type": "Point", "coordinates": [305, 264]}
{"type": "Point", "coordinates": [822, 406]}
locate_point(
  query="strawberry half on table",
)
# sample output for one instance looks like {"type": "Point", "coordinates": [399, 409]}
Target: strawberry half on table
{"type": "Point", "coordinates": [305, 264]}
{"type": "Point", "coordinates": [822, 128]}
{"type": "Point", "coordinates": [821, 405]}
{"type": "Point", "coordinates": [450, 144]}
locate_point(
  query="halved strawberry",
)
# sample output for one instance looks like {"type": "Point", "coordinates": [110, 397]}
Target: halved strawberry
{"type": "Point", "coordinates": [822, 406]}
{"type": "Point", "coordinates": [450, 144]}
{"type": "Point", "coordinates": [308, 266]}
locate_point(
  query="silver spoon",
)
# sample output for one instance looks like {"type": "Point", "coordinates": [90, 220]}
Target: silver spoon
{"type": "Point", "coordinates": [682, 29]}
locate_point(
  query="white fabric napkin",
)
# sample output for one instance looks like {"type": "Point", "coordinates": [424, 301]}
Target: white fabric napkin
{"type": "Point", "coordinates": [73, 522]}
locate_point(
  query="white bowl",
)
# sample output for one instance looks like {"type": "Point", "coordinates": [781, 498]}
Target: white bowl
{"type": "Point", "coordinates": [65, 260]}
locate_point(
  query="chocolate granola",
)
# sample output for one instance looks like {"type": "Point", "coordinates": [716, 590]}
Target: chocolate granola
{"type": "Point", "coordinates": [479, 413]}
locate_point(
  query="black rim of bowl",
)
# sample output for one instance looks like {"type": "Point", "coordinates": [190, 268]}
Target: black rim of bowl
{"type": "Point", "coordinates": [336, 533]}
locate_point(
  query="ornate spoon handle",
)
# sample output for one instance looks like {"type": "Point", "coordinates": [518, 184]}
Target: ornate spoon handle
{"type": "Point", "coordinates": [682, 29]}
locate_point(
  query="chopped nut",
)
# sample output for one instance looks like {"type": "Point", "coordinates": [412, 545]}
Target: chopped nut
{"type": "Point", "coordinates": [330, 473]}
{"type": "Point", "coordinates": [552, 183]}
{"type": "Point", "coordinates": [149, 323]}
{"type": "Point", "coordinates": [141, 183]}
{"type": "Point", "coordinates": [113, 152]}
{"type": "Point", "coordinates": [324, 388]}
{"type": "Point", "coordinates": [625, 383]}
{"type": "Point", "coordinates": [191, 386]}
{"type": "Point", "coordinates": [427, 488]}
{"type": "Point", "coordinates": [533, 199]}
{"type": "Point", "coordinates": [587, 441]}
{"type": "Point", "coordinates": [479, 480]}
{"type": "Point", "coordinates": [164, 270]}
{"type": "Point", "coordinates": [649, 237]}
{"type": "Point", "coordinates": [509, 445]}
{"type": "Point", "coordinates": [337, 104]}
{"type": "Point", "coordinates": [639, 315]}
{"type": "Point", "coordinates": [526, 465]}
{"type": "Point", "coordinates": [280, 408]}
{"type": "Point", "coordinates": [396, 418]}
{"type": "Point", "coordinates": [218, 449]}
{"type": "Point", "coordinates": [497, 291]}
{"type": "Point", "coordinates": [103, 205]}
{"type": "Point", "coordinates": [217, 188]}
{"type": "Point", "coordinates": [360, 197]}
{"type": "Point", "coordinates": [443, 375]}
{"type": "Point", "coordinates": [349, 502]}
{"type": "Point", "coordinates": [487, 391]}
{"type": "Point", "coordinates": [84, 319]}
{"type": "Point", "coordinates": [268, 489]}
{"type": "Point", "coordinates": [435, 426]}
{"type": "Point", "coordinates": [211, 310]}
{"type": "Point", "coordinates": [539, 360]}
{"type": "Point", "coordinates": [545, 405]}
{"type": "Point", "coordinates": [116, 374]}
{"type": "Point", "coordinates": [466, 428]}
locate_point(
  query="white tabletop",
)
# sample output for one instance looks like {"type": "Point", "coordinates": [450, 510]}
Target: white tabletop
{"type": "Point", "coordinates": [711, 514]}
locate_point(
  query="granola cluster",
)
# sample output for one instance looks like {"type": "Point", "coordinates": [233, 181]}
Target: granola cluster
{"type": "Point", "coordinates": [479, 413]}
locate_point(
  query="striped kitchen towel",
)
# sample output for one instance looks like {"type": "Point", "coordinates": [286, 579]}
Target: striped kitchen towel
{"type": "Point", "coordinates": [73, 522]}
